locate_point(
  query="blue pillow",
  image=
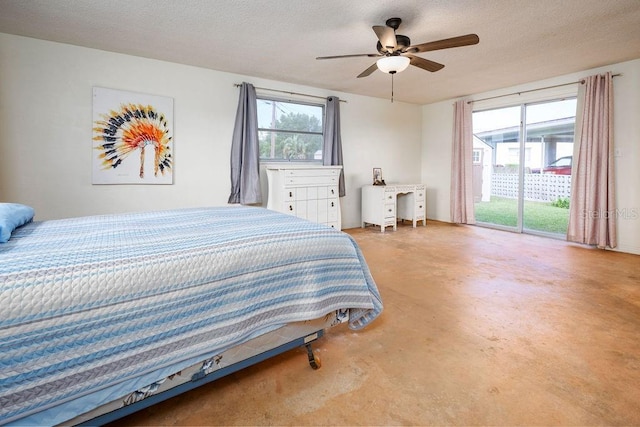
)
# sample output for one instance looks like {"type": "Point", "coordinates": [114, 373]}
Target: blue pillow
{"type": "Point", "coordinates": [12, 216]}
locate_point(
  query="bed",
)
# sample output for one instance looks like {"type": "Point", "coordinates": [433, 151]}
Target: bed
{"type": "Point", "coordinates": [104, 315]}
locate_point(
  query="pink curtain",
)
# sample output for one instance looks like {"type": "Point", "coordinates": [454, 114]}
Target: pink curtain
{"type": "Point", "coordinates": [462, 211]}
{"type": "Point", "coordinates": [592, 216]}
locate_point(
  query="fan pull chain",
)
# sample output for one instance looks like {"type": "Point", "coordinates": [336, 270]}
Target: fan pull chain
{"type": "Point", "coordinates": [392, 86]}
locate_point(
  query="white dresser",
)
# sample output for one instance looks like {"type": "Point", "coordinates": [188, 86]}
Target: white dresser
{"type": "Point", "coordinates": [384, 205]}
{"type": "Point", "coordinates": [309, 192]}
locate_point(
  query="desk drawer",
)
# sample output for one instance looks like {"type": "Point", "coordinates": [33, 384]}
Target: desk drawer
{"type": "Point", "coordinates": [389, 197]}
{"type": "Point", "coordinates": [389, 210]}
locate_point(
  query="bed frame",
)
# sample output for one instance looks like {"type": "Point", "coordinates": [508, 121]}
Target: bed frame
{"type": "Point", "coordinates": [259, 349]}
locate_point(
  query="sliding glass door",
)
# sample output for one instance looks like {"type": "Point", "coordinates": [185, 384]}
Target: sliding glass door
{"type": "Point", "coordinates": [497, 137]}
{"type": "Point", "coordinates": [523, 158]}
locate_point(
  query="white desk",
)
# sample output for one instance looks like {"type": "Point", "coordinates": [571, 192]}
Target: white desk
{"type": "Point", "coordinates": [384, 205]}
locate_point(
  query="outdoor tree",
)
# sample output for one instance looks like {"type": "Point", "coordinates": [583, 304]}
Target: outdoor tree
{"type": "Point", "coordinates": [290, 144]}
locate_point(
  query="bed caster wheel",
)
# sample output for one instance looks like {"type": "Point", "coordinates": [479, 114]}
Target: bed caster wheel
{"type": "Point", "coordinates": [314, 360]}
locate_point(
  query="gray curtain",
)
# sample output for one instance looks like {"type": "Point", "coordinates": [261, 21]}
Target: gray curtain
{"type": "Point", "coordinates": [332, 147]}
{"type": "Point", "coordinates": [462, 209]}
{"type": "Point", "coordinates": [592, 218]}
{"type": "Point", "coordinates": [245, 151]}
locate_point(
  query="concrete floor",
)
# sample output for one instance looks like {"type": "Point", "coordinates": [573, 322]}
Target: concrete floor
{"type": "Point", "coordinates": [480, 327]}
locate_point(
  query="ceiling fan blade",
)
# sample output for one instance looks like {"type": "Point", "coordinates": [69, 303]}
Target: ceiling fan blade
{"type": "Point", "coordinates": [465, 40]}
{"type": "Point", "coordinates": [387, 37]}
{"type": "Point", "coordinates": [369, 70]}
{"type": "Point", "coordinates": [370, 55]}
{"type": "Point", "coordinates": [425, 64]}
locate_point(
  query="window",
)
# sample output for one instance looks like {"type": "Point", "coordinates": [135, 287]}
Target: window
{"type": "Point", "coordinates": [290, 130]}
{"type": "Point", "coordinates": [477, 155]}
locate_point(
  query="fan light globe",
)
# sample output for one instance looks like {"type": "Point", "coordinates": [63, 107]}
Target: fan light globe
{"type": "Point", "coordinates": [393, 64]}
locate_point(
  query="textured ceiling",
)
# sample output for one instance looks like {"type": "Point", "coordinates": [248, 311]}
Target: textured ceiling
{"type": "Point", "coordinates": [520, 40]}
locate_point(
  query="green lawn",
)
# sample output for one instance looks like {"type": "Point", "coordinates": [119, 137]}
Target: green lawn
{"type": "Point", "coordinates": [539, 216]}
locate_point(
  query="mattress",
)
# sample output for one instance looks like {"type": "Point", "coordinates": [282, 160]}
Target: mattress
{"type": "Point", "coordinates": [97, 307]}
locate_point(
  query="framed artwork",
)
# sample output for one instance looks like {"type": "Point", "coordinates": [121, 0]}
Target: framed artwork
{"type": "Point", "coordinates": [132, 138]}
{"type": "Point", "coordinates": [377, 176]}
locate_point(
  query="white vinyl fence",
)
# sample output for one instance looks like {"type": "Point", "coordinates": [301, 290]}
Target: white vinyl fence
{"type": "Point", "coordinates": [537, 187]}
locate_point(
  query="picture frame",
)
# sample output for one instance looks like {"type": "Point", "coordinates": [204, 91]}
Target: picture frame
{"type": "Point", "coordinates": [132, 138]}
{"type": "Point", "coordinates": [377, 176]}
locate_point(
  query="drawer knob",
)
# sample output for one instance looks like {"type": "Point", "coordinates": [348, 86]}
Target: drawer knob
{"type": "Point", "coordinates": [290, 207]}
{"type": "Point", "coordinates": [420, 206]}
{"type": "Point", "coordinates": [332, 205]}
{"type": "Point", "coordinates": [390, 210]}
{"type": "Point", "coordinates": [290, 194]}
{"type": "Point", "coordinates": [332, 191]}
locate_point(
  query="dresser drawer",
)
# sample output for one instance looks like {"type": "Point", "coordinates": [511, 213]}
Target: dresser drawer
{"type": "Point", "coordinates": [300, 193]}
{"type": "Point", "coordinates": [310, 180]}
{"type": "Point", "coordinates": [311, 193]}
{"type": "Point", "coordinates": [311, 172]}
{"type": "Point", "coordinates": [289, 207]}
{"type": "Point", "coordinates": [332, 206]}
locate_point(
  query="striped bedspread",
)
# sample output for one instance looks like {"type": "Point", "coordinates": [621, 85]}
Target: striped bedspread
{"type": "Point", "coordinates": [96, 303]}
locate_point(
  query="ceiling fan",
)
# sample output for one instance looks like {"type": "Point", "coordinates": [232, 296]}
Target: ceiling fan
{"type": "Point", "coordinates": [396, 52]}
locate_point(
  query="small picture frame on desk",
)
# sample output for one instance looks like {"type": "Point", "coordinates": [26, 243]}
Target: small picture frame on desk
{"type": "Point", "coordinates": [377, 177]}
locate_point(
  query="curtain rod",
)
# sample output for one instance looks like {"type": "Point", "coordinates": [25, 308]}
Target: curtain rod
{"type": "Point", "coordinates": [581, 81]}
{"type": "Point", "coordinates": [289, 93]}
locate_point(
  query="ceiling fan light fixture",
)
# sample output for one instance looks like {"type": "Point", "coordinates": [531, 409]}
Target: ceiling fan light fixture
{"type": "Point", "coordinates": [393, 64]}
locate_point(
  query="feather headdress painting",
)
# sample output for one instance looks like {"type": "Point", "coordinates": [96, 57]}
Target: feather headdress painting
{"type": "Point", "coordinates": [133, 138]}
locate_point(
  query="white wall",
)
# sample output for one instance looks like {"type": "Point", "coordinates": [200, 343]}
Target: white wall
{"type": "Point", "coordinates": [437, 127]}
{"type": "Point", "coordinates": [46, 136]}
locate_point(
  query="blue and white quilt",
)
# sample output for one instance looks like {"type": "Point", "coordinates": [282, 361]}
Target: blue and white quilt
{"type": "Point", "coordinates": [96, 307]}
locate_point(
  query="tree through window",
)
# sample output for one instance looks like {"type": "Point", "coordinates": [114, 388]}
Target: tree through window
{"type": "Point", "coordinates": [290, 130]}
